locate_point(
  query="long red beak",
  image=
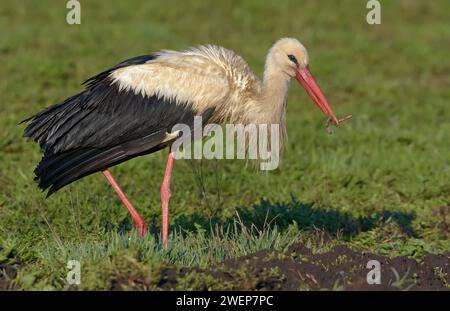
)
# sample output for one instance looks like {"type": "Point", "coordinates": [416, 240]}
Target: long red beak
{"type": "Point", "coordinates": [306, 79]}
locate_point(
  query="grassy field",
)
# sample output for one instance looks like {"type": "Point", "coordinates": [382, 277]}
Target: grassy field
{"type": "Point", "coordinates": [380, 183]}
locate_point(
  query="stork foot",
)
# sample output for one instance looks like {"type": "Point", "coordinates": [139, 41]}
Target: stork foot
{"type": "Point", "coordinates": [141, 228]}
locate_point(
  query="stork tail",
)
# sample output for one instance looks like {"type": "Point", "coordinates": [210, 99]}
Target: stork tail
{"type": "Point", "coordinates": [57, 170]}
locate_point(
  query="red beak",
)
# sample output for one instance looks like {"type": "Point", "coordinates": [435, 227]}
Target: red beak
{"type": "Point", "coordinates": [306, 79]}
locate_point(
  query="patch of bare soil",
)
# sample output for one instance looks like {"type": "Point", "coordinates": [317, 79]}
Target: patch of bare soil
{"type": "Point", "coordinates": [299, 269]}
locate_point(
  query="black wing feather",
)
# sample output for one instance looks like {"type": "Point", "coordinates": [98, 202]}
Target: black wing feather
{"type": "Point", "coordinates": [101, 127]}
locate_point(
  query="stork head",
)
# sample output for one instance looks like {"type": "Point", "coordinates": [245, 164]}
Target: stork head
{"type": "Point", "coordinates": [291, 57]}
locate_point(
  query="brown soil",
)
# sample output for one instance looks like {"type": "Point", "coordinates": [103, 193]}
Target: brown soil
{"type": "Point", "coordinates": [300, 269]}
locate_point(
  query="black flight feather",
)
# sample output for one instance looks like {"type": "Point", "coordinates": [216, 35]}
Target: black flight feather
{"type": "Point", "coordinates": [100, 127]}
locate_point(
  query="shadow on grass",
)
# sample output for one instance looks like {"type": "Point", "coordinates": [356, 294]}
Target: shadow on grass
{"type": "Point", "coordinates": [305, 216]}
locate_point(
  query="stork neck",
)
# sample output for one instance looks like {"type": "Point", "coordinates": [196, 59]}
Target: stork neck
{"type": "Point", "coordinates": [275, 88]}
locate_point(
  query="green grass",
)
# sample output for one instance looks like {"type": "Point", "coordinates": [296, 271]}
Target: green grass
{"type": "Point", "coordinates": [378, 183]}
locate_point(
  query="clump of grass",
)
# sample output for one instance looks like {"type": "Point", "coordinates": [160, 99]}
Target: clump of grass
{"type": "Point", "coordinates": [120, 255]}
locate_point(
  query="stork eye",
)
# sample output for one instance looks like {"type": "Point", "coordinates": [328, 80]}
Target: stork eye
{"type": "Point", "coordinates": [293, 59]}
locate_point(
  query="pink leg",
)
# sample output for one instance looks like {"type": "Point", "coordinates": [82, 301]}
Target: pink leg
{"type": "Point", "coordinates": [138, 221]}
{"type": "Point", "coordinates": [165, 199]}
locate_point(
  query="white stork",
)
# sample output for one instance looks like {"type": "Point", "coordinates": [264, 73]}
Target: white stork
{"type": "Point", "coordinates": [130, 109]}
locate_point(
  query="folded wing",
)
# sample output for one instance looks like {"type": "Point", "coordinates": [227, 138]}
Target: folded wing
{"type": "Point", "coordinates": [125, 111]}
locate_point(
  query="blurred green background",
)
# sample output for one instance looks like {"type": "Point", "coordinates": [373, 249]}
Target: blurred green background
{"type": "Point", "coordinates": [379, 183]}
